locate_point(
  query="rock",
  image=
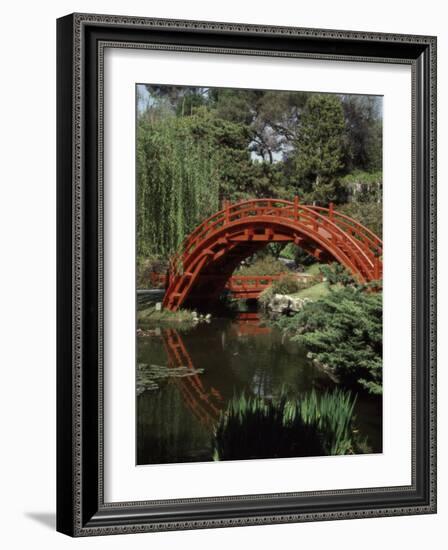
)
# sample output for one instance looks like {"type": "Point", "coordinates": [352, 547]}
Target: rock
{"type": "Point", "coordinates": [284, 304]}
{"type": "Point", "coordinates": [158, 306]}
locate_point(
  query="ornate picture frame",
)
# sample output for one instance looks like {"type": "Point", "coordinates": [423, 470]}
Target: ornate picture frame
{"type": "Point", "coordinates": [81, 506]}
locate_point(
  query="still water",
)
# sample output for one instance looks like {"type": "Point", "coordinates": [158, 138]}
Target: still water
{"type": "Point", "coordinates": [185, 378]}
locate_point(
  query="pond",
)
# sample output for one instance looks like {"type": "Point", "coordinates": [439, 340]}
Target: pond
{"type": "Point", "coordinates": [186, 377]}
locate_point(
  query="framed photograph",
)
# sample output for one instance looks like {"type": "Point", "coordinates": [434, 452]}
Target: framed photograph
{"type": "Point", "coordinates": [246, 274]}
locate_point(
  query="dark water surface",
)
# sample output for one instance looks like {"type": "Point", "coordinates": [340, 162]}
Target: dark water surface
{"type": "Point", "coordinates": [176, 410]}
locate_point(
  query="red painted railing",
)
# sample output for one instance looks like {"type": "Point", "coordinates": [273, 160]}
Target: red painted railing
{"type": "Point", "coordinates": [204, 402]}
{"type": "Point", "coordinates": [239, 229]}
{"type": "Point", "coordinates": [241, 286]}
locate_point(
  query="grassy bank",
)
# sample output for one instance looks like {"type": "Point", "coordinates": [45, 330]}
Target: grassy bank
{"type": "Point", "coordinates": [315, 292]}
{"type": "Point", "coordinates": [149, 313]}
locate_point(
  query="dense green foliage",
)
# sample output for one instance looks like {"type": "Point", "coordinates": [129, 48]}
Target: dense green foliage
{"type": "Point", "coordinates": [363, 149]}
{"type": "Point", "coordinates": [147, 266]}
{"type": "Point", "coordinates": [343, 331]}
{"type": "Point", "coordinates": [312, 425]}
{"type": "Point", "coordinates": [318, 152]}
{"type": "Point", "coordinates": [369, 214]}
{"type": "Point", "coordinates": [176, 188]}
{"type": "Point", "coordinates": [336, 274]}
{"type": "Point", "coordinates": [199, 146]}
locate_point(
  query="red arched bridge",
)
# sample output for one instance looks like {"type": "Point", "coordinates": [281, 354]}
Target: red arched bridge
{"type": "Point", "coordinates": [208, 256]}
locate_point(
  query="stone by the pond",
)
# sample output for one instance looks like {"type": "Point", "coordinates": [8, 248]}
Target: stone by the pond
{"type": "Point", "coordinates": [200, 317]}
{"type": "Point", "coordinates": [158, 306]}
{"type": "Point", "coordinates": [284, 304]}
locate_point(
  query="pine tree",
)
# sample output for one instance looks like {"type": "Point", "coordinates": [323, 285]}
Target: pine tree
{"type": "Point", "coordinates": [318, 147]}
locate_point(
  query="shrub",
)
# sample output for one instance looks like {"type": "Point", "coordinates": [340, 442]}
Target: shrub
{"type": "Point", "coordinates": [287, 284]}
{"type": "Point", "coordinates": [265, 297]}
{"type": "Point", "coordinates": [263, 265]}
{"type": "Point", "coordinates": [343, 331]}
{"type": "Point", "coordinates": [336, 274]}
{"type": "Point", "coordinates": [146, 266]}
{"type": "Point", "coordinates": [302, 258]}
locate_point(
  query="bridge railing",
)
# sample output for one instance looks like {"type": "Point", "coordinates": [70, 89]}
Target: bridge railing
{"type": "Point", "coordinates": [340, 226]}
{"type": "Point", "coordinates": [238, 282]}
{"type": "Point", "coordinates": [351, 225]}
{"type": "Point", "coordinates": [249, 281]}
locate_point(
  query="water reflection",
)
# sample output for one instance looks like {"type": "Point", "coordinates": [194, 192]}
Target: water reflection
{"type": "Point", "coordinates": [205, 367]}
{"type": "Point", "coordinates": [205, 403]}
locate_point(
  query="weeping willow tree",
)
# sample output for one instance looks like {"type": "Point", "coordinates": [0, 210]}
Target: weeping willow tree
{"type": "Point", "coordinates": [176, 183]}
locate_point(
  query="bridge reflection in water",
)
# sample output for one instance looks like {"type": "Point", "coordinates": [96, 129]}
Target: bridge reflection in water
{"type": "Point", "coordinates": [175, 422]}
{"type": "Point", "coordinates": [204, 402]}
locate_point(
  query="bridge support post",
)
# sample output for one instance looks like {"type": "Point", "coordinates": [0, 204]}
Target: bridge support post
{"type": "Point", "coordinates": [296, 208]}
{"type": "Point", "coordinates": [376, 268]}
{"type": "Point", "coordinates": [331, 211]}
{"type": "Point", "coordinates": [227, 210]}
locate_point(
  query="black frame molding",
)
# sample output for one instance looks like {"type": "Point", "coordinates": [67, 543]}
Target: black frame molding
{"type": "Point", "coordinates": [81, 39]}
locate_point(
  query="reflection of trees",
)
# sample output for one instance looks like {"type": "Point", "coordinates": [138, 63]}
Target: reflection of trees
{"type": "Point", "coordinates": [248, 324]}
{"type": "Point", "coordinates": [261, 346]}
